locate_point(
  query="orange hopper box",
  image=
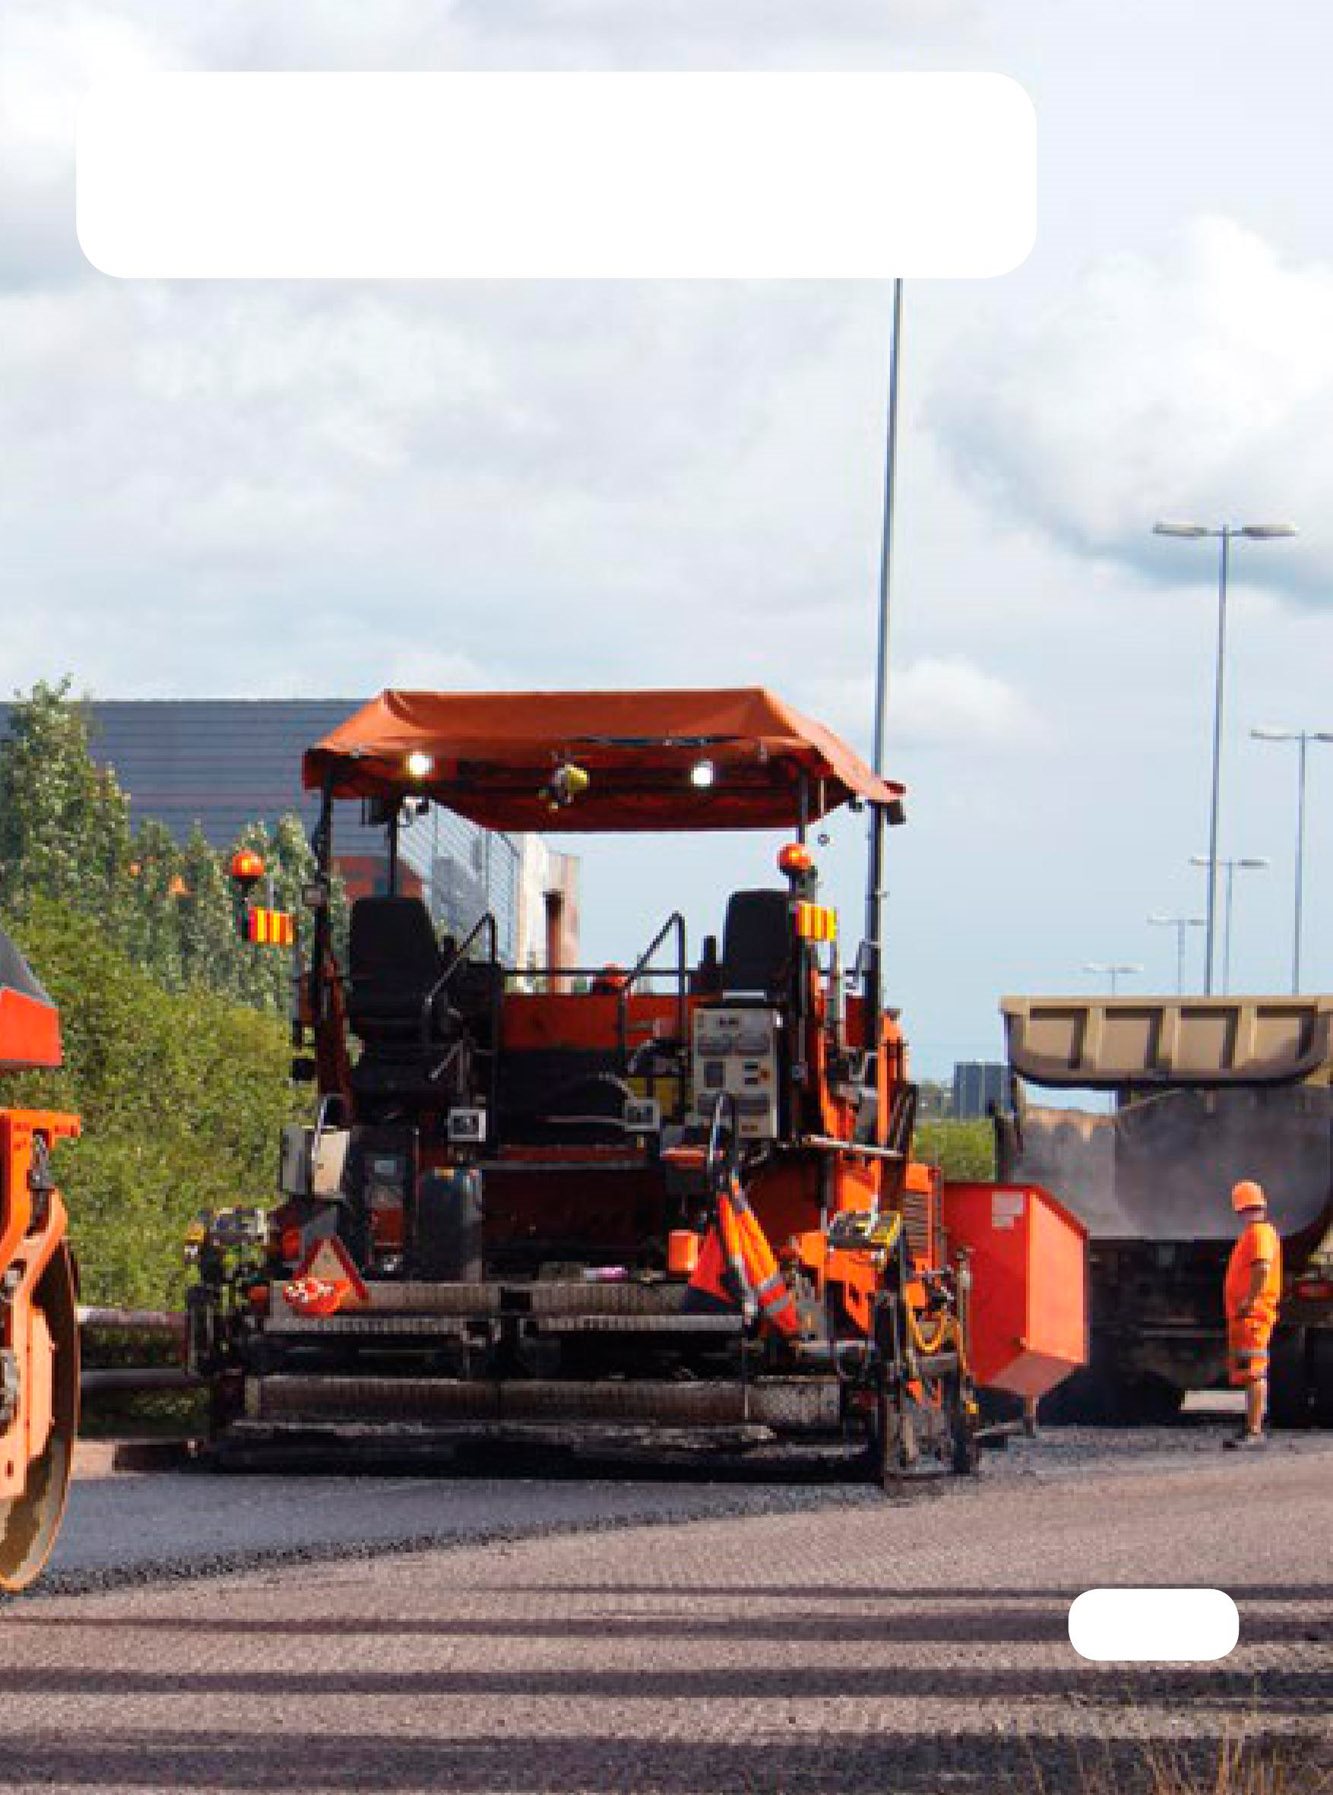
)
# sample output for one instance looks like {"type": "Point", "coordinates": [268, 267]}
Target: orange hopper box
{"type": "Point", "coordinates": [1029, 1284]}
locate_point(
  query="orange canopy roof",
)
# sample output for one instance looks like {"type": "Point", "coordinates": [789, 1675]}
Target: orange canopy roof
{"type": "Point", "coordinates": [492, 756]}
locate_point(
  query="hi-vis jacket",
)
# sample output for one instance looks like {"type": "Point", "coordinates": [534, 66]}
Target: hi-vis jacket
{"type": "Point", "coordinates": [737, 1269]}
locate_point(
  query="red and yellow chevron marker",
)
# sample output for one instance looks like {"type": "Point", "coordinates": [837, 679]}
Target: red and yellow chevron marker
{"type": "Point", "coordinates": [816, 922]}
{"type": "Point", "coordinates": [270, 928]}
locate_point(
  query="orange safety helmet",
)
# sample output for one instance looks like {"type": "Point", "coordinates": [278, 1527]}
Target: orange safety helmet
{"type": "Point", "coordinates": [1248, 1195]}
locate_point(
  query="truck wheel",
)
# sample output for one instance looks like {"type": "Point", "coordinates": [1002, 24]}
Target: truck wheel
{"type": "Point", "coordinates": [1289, 1386]}
{"type": "Point", "coordinates": [1150, 1400]}
{"type": "Point", "coordinates": [1321, 1375]}
{"type": "Point", "coordinates": [1093, 1395]}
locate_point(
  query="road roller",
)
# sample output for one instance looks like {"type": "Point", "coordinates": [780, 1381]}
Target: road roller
{"type": "Point", "coordinates": [39, 1335]}
{"type": "Point", "coordinates": [667, 1205]}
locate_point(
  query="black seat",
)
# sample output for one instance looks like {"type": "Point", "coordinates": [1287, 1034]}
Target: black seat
{"type": "Point", "coordinates": [394, 963]}
{"type": "Point", "coordinates": [756, 945]}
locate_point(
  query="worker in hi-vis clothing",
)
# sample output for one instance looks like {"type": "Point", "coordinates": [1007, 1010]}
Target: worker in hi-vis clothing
{"type": "Point", "coordinates": [1252, 1291]}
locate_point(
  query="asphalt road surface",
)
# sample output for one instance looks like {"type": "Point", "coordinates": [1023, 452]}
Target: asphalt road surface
{"type": "Point", "coordinates": [788, 1638]}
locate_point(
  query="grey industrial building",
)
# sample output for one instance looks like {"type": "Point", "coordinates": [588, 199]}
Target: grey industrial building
{"type": "Point", "coordinates": [979, 1086]}
{"type": "Point", "coordinates": [225, 762]}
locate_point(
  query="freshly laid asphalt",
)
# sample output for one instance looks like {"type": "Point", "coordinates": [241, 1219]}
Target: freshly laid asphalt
{"type": "Point", "coordinates": [543, 1636]}
{"type": "Point", "coordinates": [192, 1523]}
{"type": "Point", "coordinates": [136, 1529]}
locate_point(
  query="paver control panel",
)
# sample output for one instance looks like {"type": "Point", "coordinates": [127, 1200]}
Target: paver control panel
{"type": "Point", "coordinates": [736, 1050]}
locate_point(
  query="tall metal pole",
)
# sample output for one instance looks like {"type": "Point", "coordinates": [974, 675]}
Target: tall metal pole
{"type": "Point", "coordinates": [1300, 865]}
{"type": "Point", "coordinates": [874, 926]}
{"type": "Point", "coordinates": [1302, 739]}
{"type": "Point", "coordinates": [1211, 913]}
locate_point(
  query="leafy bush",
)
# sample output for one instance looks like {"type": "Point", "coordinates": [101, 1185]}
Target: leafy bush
{"type": "Point", "coordinates": [964, 1149]}
{"type": "Point", "coordinates": [182, 1094]}
{"type": "Point", "coordinates": [175, 1055]}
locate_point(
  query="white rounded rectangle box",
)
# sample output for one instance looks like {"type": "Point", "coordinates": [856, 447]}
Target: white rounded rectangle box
{"type": "Point", "coordinates": [610, 175]}
{"type": "Point", "coordinates": [1154, 1626]}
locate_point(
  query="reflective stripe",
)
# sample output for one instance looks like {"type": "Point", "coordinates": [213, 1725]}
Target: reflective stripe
{"type": "Point", "coordinates": [737, 1268]}
{"type": "Point", "coordinates": [271, 928]}
{"type": "Point", "coordinates": [816, 922]}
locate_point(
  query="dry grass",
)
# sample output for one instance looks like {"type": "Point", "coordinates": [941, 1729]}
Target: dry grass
{"type": "Point", "coordinates": [1235, 1766]}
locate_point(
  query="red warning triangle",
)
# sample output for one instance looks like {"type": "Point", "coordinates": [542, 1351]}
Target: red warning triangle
{"type": "Point", "coordinates": [326, 1280]}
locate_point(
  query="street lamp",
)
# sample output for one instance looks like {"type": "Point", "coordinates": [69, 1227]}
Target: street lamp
{"type": "Point", "coordinates": [1250, 863]}
{"type": "Point", "coordinates": [1224, 534]}
{"type": "Point", "coordinates": [1179, 924]}
{"type": "Point", "coordinates": [1115, 972]}
{"type": "Point", "coordinates": [1304, 737]}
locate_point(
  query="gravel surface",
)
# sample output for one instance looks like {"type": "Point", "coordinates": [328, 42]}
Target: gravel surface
{"type": "Point", "coordinates": [786, 1639]}
{"type": "Point", "coordinates": [128, 1529]}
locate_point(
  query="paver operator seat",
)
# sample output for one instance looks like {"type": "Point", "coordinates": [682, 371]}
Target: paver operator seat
{"type": "Point", "coordinates": [397, 999]}
{"type": "Point", "coordinates": [756, 947]}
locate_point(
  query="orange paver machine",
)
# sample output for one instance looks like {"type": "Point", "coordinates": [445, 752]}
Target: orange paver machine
{"type": "Point", "coordinates": [671, 1205]}
{"type": "Point", "coordinates": [39, 1336]}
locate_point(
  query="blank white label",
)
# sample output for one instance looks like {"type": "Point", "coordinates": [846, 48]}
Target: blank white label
{"type": "Point", "coordinates": [1006, 1207]}
{"type": "Point", "coordinates": [554, 175]}
{"type": "Point", "coordinates": [1154, 1626]}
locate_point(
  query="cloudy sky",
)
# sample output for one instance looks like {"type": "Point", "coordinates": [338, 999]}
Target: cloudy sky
{"type": "Point", "coordinates": [319, 489]}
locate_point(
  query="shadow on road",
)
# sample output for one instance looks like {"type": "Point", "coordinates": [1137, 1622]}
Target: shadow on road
{"type": "Point", "coordinates": [966, 1762]}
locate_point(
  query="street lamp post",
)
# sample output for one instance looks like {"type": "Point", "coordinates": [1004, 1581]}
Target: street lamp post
{"type": "Point", "coordinates": [1224, 534]}
{"type": "Point", "coordinates": [1115, 972]}
{"type": "Point", "coordinates": [1303, 737]}
{"type": "Point", "coordinates": [1180, 924]}
{"type": "Point", "coordinates": [1247, 863]}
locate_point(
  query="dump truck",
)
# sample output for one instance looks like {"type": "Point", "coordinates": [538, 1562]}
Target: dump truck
{"type": "Point", "coordinates": [667, 1206]}
{"type": "Point", "coordinates": [1198, 1092]}
{"type": "Point", "coordinates": [39, 1335]}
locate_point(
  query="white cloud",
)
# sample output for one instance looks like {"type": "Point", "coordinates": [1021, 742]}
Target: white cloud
{"type": "Point", "coordinates": [934, 702]}
{"type": "Point", "coordinates": [1197, 383]}
{"type": "Point", "coordinates": [683, 33]}
{"type": "Point", "coordinates": [564, 472]}
{"type": "Point", "coordinates": [53, 51]}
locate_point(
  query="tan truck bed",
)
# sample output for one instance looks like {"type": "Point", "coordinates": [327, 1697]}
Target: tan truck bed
{"type": "Point", "coordinates": [1105, 1043]}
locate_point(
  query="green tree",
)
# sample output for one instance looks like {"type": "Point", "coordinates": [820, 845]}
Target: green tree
{"type": "Point", "coordinates": [211, 950]}
{"type": "Point", "coordinates": [64, 822]}
{"type": "Point", "coordinates": [182, 1095]}
{"type": "Point", "coordinates": [964, 1150]}
{"type": "Point", "coordinates": [153, 924]}
{"type": "Point", "coordinates": [65, 835]}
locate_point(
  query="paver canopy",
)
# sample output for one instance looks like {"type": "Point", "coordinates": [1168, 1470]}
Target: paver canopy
{"type": "Point", "coordinates": [492, 757]}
